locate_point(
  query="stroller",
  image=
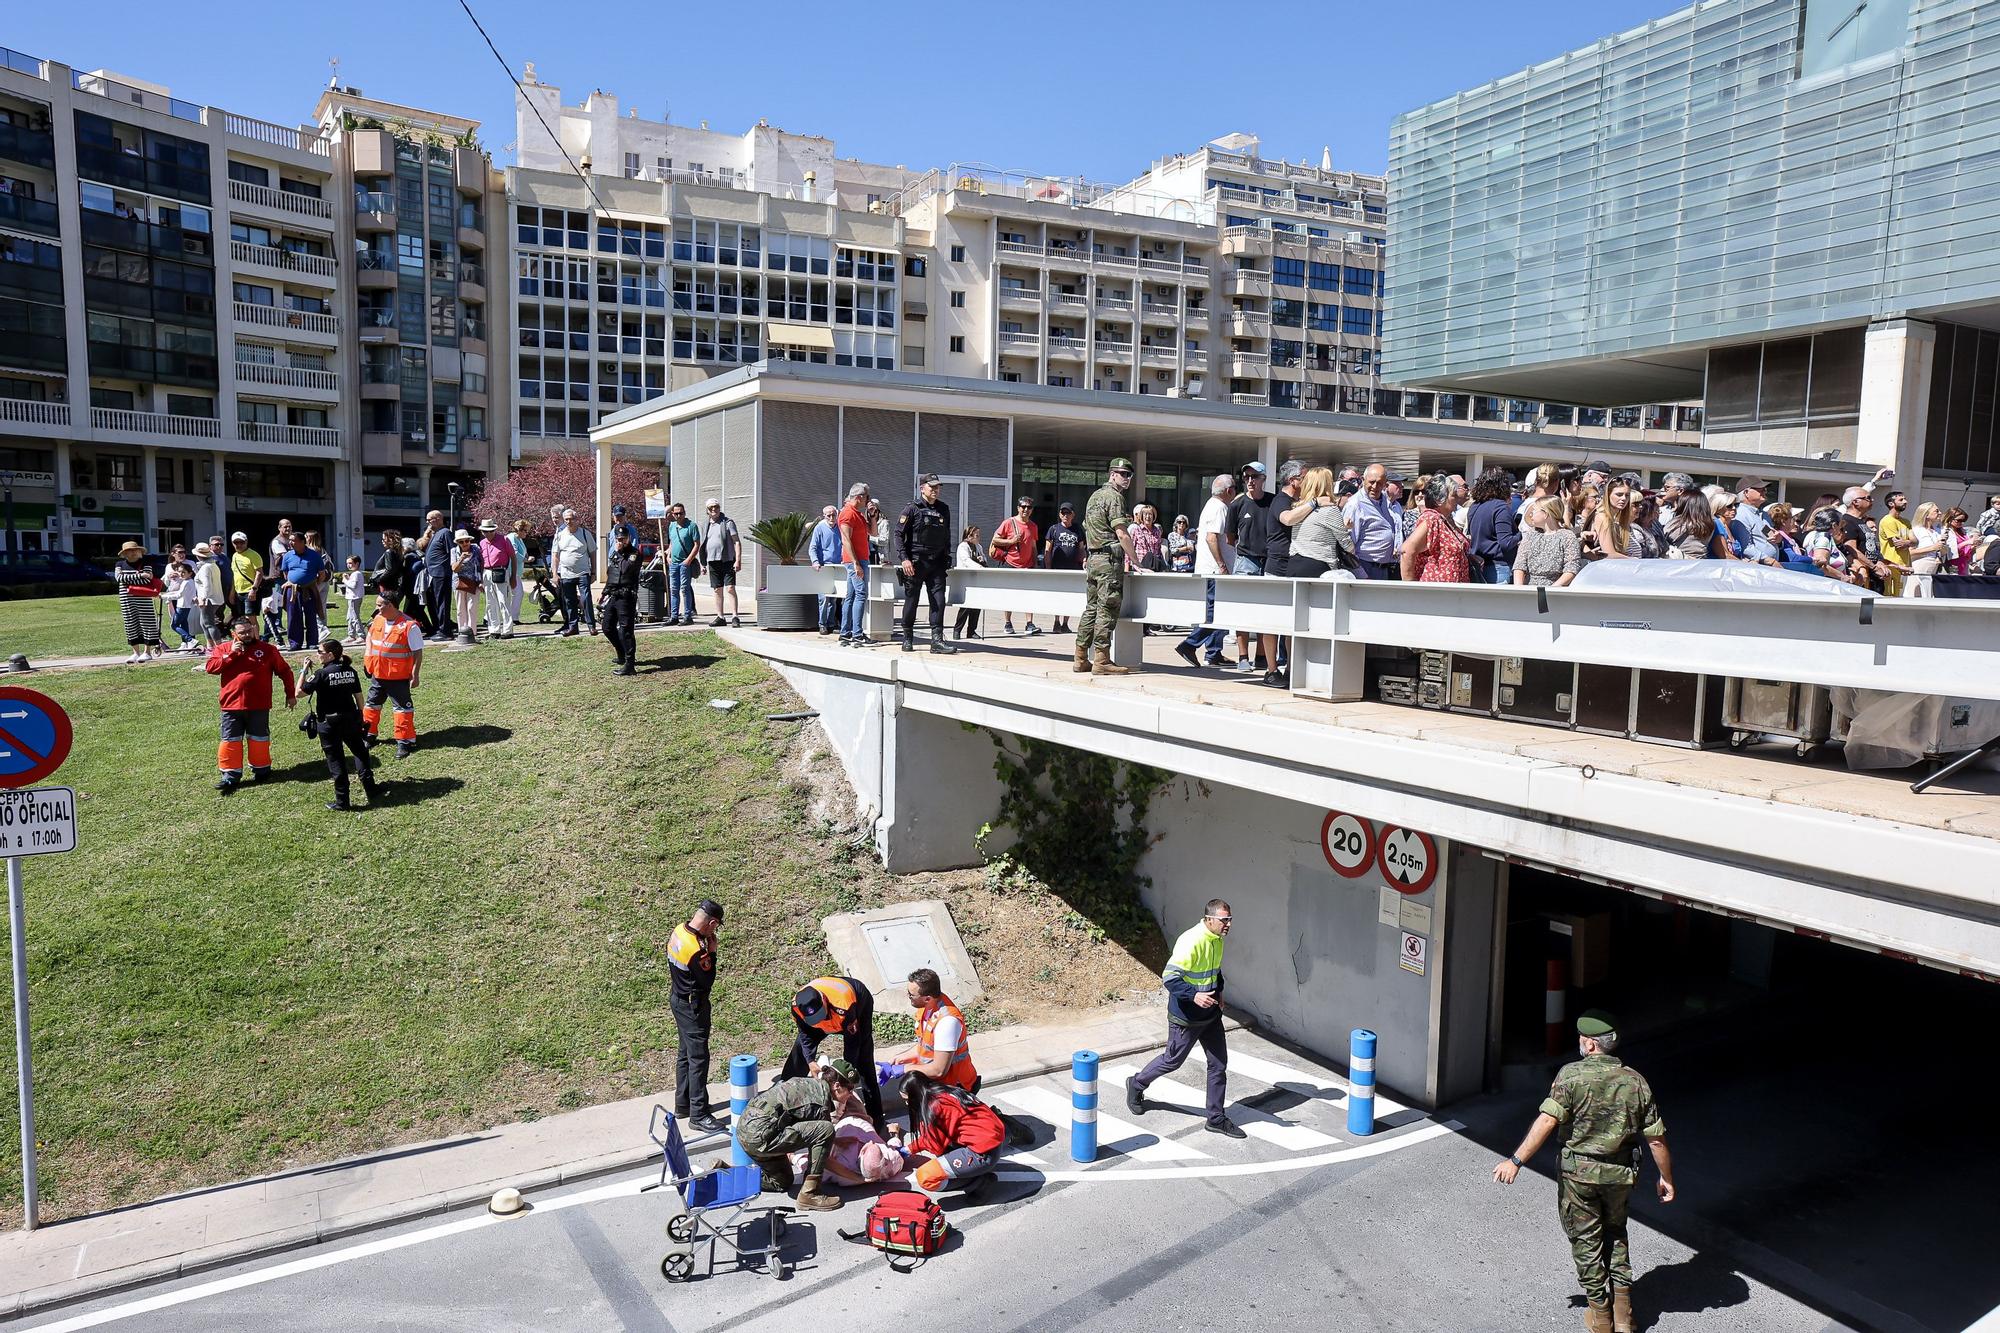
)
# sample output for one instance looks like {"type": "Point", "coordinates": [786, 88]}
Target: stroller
{"type": "Point", "coordinates": [543, 594]}
{"type": "Point", "coordinates": [731, 1190]}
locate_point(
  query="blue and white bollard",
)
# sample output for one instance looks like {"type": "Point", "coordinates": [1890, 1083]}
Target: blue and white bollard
{"type": "Point", "coordinates": [1083, 1107]}
{"type": "Point", "coordinates": [1361, 1082]}
{"type": "Point", "coordinates": [742, 1087]}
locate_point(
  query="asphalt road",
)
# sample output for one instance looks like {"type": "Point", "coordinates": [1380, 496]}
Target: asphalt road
{"type": "Point", "coordinates": [1301, 1225]}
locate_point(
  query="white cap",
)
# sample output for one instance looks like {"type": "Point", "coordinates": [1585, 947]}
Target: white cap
{"type": "Point", "coordinates": [239, 536]}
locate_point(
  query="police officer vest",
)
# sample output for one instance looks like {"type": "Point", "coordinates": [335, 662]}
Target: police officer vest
{"type": "Point", "coordinates": [389, 656]}
{"type": "Point", "coordinates": [930, 530]}
{"type": "Point", "coordinates": [959, 1073]}
{"type": "Point", "coordinates": [340, 689]}
{"type": "Point", "coordinates": [691, 961]}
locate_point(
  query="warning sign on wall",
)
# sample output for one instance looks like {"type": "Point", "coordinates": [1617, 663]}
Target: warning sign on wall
{"type": "Point", "coordinates": [1415, 949]}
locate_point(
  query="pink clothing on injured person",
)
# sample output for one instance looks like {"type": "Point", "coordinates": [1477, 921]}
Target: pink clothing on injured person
{"type": "Point", "coordinates": [859, 1155]}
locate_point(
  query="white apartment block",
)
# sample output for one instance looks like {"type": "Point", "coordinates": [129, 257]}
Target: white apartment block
{"type": "Point", "coordinates": [689, 252]}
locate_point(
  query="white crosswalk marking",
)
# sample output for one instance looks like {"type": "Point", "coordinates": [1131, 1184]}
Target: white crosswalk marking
{"type": "Point", "coordinates": [1277, 1075]}
{"type": "Point", "coordinates": [1112, 1133]}
{"type": "Point", "coordinates": [1256, 1123]}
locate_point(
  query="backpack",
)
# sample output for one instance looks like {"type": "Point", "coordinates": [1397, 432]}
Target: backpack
{"type": "Point", "coordinates": [906, 1226]}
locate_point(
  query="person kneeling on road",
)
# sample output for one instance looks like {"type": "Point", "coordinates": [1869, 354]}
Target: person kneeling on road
{"type": "Point", "coordinates": [956, 1136]}
{"type": "Point", "coordinates": [797, 1114]}
{"type": "Point", "coordinates": [335, 687]}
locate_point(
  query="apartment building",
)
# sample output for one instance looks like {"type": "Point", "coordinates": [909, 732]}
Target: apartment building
{"type": "Point", "coordinates": [425, 208]}
{"type": "Point", "coordinates": [686, 253]}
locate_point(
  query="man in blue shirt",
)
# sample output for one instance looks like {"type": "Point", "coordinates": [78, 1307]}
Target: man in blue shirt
{"type": "Point", "coordinates": [825, 550]}
{"type": "Point", "coordinates": [1376, 523]}
{"type": "Point", "coordinates": [681, 538]}
{"type": "Point", "coordinates": [301, 568]}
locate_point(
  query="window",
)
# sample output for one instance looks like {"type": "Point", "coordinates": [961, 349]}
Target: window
{"type": "Point", "coordinates": [1323, 277]}
{"type": "Point", "coordinates": [1834, 33]}
{"type": "Point", "coordinates": [958, 300]}
{"type": "Point", "coordinates": [914, 266]}
{"type": "Point", "coordinates": [410, 253]}
{"type": "Point", "coordinates": [249, 293]}
{"type": "Point", "coordinates": [958, 254]}
{"type": "Point", "coordinates": [1287, 312]}
{"type": "Point", "coordinates": [1288, 272]}
{"type": "Point", "coordinates": [957, 343]}
{"type": "Point", "coordinates": [249, 174]}
{"type": "Point", "coordinates": [631, 166]}
{"type": "Point", "coordinates": [662, 166]}
{"type": "Point", "coordinates": [1355, 319]}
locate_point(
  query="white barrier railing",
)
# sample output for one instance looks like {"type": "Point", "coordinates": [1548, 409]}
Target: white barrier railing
{"type": "Point", "coordinates": [1917, 646]}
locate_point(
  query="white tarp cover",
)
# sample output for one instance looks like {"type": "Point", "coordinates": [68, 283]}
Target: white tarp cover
{"type": "Point", "coordinates": [1702, 576]}
{"type": "Point", "coordinates": [1897, 730]}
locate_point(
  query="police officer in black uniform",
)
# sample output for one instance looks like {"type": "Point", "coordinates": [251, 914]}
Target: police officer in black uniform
{"type": "Point", "coordinates": [335, 687]}
{"type": "Point", "coordinates": [621, 599]}
{"type": "Point", "coordinates": [924, 538]}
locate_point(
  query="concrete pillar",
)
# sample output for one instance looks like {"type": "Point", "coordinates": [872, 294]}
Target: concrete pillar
{"type": "Point", "coordinates": [603, 523]}
{"type": "Point", "coordinates": [219, 490]}
{"type": "Point", "coordinates": [1895, 398]}
{"type": "Point", "coordinates": [149, 490]}
{"type": "Point", "coordinates": [62, 493]}
{"type": "Point", "coordinates": [1474, 465]}
{"type": "Point", "coordinates": [1267, 454]}
{"type": "Point", "coordinates": [1139, 461]}
{"type": "Point", "coordinates": [424, 487]}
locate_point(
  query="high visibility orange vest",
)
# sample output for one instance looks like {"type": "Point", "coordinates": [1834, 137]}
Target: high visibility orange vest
{"type": "Point", "coordinates": [839, 997]}
{"type": "Point", "coordinates": [959, 1073]}
{"type": "Point", "coordinates": [389, 656]}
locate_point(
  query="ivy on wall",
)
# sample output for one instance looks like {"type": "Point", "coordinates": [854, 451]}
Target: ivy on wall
{"type": "Point", "coordinates": [1079, 826]}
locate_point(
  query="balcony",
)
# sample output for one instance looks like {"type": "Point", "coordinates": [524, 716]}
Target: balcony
{"type": "Point", "coordinates": [1245, 241]}
{"type": "Point", "coordinates": [1065, 347]}
{"type": "Point", "coordinates": [371, 152]}
{"type": "Point", "coordinates": [1159, 357]}
{"type": "Point", "coordinates": [35, 148]}
{"type": "Point", "coordinates": [471, 282]}
{"type": "Point", "coordinates": [118, 421]}
{"type": "Point", "coordinates": [300, 437]}
{"type": "Point", "coordinates": [1029, 298]}
{"type": "Point", "coordinates": [283, 263]}
{"type": "Point", "coordinates": [1018, 248]}
{"type": "Point", "coordinates": [305, 325]}
{"type": "Point", "coordinates": [1250, 399]}
{"type": "Point", "coordinates": [1159, 312]}
{"type": "Point", "coordinates": [1195, 316]}
{"type": "Point", "coordinates": [1074, 302]}
{"type": "Point", "coordinates": [288, 377]}
{"type": "Point", "coordinates": [374, 271]}
{"type": "Point", "coordinates": [29, 416]}
{"type": "Point", "coordinates": [309, 142]}
{"type": "Point", "coordinates": [471, 238]}
{"type": "Point", "coordinates": [382, 448]}
{"type": "Point", "coordinates": [374, 210]}
{"type": "Point", "coordinates": [1159, 264]}
{"type": "Point", "coordinates": [1114, 307]}
{"type": "Point", "coordinates": [1246, 282]}
{"type": "Point", "coordinates": [1024, 344]}
{"type": "Point", "coordinates": [1195, 359]}
{"type": "Point", "coordinates": [1068, 257]}
{"type": "Point", "coordinates": [140, 237]}
{"type": "Point", "coordinates": [25, 214]}
{"type": "Point", "coordinates": [1247, 365]}
{"type": "Point", "coordinates": [469, 171]}
{"type": "Point", "coordinates": [379, 327]}
{"type": "Point", "coordinates": [285, 204]}
{"type": "Point", "coordinates": [1248, 324]}
{"type": "Point", "coordinates": [381, 383]}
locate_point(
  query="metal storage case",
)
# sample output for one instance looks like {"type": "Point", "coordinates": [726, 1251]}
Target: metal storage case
{"type": "Point", "coordinates": [1433, 679]}
{"type": "Point", "coordinates": [1604, 699]}
{"type": "Point", "coordinates": [1641, 704]}
{"type": "Point", "coordinates": [1532, 690]}
{"type": "Point", "coordinates": [1470, 683]}
{"type": "Point", "coordinates": [1751, 708]}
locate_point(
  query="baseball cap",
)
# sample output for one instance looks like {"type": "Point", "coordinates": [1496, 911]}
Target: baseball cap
{"type": "Point", "coordinates": [1067, 508]}
{"type": "Point", "coordinates": [1750, 484]}
{"type": "Point", "coordinates": [928, 479]}
{"type": "Point", "coordinates": [615, 509]}
{"type": "Point", "coordinates": [239, 536]}
{"type": "Point", "coordinates": [1598, 465]}
{"type": "Point", "coordinates": [712, 907]}
{"type": "Point", "coordinates": [1252, 466]}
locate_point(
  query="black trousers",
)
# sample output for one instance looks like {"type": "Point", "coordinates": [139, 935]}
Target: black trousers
{"type": "Point", "coordinates": [929, 578]}
{"type": "Point", "coordinates": [619, 620]}
{"type": "Point", "coordinates": [437, 605]}
{"type": "Point", "coordinates": [857, 1044]}
{"type": "Point", "coordinates": [692, 1018]}
{"type": "Point", "coordinates": [339, 734]}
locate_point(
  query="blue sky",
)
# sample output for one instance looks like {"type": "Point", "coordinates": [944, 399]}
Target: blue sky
{"type": "Point", "coordinates": [1098, 90]}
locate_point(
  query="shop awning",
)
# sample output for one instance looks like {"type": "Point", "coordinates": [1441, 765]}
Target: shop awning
{"type": "Point", "coordinates": [807, 336]}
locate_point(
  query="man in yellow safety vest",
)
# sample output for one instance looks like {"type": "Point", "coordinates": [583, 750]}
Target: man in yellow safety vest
{"type": "Point", "coordinates": [1193, 978]}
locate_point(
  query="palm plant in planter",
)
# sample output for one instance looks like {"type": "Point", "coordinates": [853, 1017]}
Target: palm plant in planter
{"type": "Point", "coordinates": [784, 535]}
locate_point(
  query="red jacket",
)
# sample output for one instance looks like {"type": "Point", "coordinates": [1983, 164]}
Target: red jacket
{"type": "Point", "coordinates": [246, 676]}
{"type": "Point", "coordinates": [949, 1125]}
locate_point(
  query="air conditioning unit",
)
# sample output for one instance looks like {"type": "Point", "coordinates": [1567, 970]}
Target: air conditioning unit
{"type": "Point", "coordinates": [89, 504]}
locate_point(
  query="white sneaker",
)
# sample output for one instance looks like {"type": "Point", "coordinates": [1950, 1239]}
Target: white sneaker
{"type": "Point", "coordinates": [1245, 666]}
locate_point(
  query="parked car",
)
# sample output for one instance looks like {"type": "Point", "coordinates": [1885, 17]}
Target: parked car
{"type": "Point", "coordinates": [35, 567]}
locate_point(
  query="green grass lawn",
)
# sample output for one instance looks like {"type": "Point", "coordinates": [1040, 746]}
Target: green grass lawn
{"type": "Point", "coordinates": [222, 986]}
{"type": "Point", "coordinates": [88, 627]}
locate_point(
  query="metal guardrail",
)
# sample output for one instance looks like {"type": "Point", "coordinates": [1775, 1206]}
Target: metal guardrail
{"type": "Point", "coordinates": [1907, 645]}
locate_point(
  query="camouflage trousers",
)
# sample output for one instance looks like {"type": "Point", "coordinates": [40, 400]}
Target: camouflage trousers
{"type": "Point", "coordinates": [765, 1138]}
{"type": "Point", "coordinates": [1103, 597]}
{"type": "Point", "coordinates": [1593, 1217]}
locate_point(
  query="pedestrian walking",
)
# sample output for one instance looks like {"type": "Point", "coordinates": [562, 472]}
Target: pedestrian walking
{"type": "Point", "coordinates": [1193, 978]}
{"type": "Point", "coordinates": [498, 575]}
{"type": "Point", "coordinates": [1108, 541]}
{"type": "Point", "coordinates": [721, 552]}
{"type": "Point", "coordinates": [394, 661]}
{"type": "Point", "coordinates": [335, 687]}
{"type": "Point", "coordinates": [796, 1114]}
{"type": "Point", "coordinates": [691, 957]}
{"type": "Point", "coordinates": [923, 541]}
{"type": "Point", "coordinates": [621, 600]}
{"type": "Point", "coordinates": [1605, 1109]}
{"type": "Point", "coordinates": [138, 603]}
{"type": "Point", "coordinates": [854, 547]}
{"type": "Point", "coordinates": [246, 665]}
{"type": "Point", "coordinates": [828, 1005]}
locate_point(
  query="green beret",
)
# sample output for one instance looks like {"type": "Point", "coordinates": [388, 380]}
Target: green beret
{"type": "Point", "coordinates": [844, 1071]}
{"type": "Point", "coordinates": [1595, 1023]}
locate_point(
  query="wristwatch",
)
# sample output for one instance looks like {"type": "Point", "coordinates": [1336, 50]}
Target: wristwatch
{"type": "Point", "coordinates": [1515, 1160]}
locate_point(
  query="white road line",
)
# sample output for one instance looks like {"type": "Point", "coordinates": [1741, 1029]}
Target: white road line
{"type": "Point", "coordinates": [1277, 1075]}
{"type": "Point", "coordinates": [329, 1258]}
{"type": "Point", "coordinates": [1257, 1124]}
{"type": "Point", "coordinates": [1375, 1148]}
{"type": "Point", "coordinates": [1112, 1133]}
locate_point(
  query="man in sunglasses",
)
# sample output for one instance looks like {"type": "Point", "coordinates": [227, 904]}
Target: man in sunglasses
{"type": "Point", "coordinates": [1015, 541]}
{"type": "Point", "coordinates": [1193, 978]}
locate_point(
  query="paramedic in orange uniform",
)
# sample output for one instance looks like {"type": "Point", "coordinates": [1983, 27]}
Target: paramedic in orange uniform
{"type": "Point", "coordinates": [394, 661]}
{"type": "Point", "coordinates": [943, 1050]}
{"type": "Point", "coordinates": [828, 1005]}
{"type": "Point", "coordinates": [247, 666]}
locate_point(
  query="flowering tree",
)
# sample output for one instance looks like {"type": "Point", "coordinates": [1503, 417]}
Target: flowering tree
{"type": "Point", "coordinates": [568, 479]}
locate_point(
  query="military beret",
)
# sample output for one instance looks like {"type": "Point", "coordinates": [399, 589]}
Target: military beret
{"type": "Point", "coordinates": [844, 1071]}
{"type": "Point", "coordinates": [1595, 1023]}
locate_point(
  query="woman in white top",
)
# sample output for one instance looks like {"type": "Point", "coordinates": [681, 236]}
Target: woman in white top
{"type": "Point", "coordinates": [208, 593]}
{"type": "Point", "coordinates": [1928, 533]}
{"type": "Point", "coordinates": [971, 555]}
{"type": "Point", "coordinates": [464, 580]}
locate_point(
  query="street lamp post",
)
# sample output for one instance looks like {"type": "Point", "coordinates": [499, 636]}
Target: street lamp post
{"type": "Point", "coordinates": [13, 542]}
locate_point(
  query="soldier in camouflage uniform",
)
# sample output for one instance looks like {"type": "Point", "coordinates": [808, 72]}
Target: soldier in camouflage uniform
{"type": "Point", "coordinates": [1109, 546]}
{"type": "Point", "coordinates": [1605, 1110]}
{"type": "Point", "coordinates": [793, 1115]}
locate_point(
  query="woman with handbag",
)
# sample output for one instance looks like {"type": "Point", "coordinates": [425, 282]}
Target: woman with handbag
{"type": "Point", "coordinates": [465, 581]}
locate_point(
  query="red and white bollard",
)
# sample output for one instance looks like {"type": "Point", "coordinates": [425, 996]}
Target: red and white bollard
{"type": "Point", "coordinates": [1552, 1005]}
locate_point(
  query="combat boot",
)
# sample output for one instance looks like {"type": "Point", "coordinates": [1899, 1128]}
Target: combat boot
{"type": "Point", "coordinates": [777, 1174]}
{"type": "Point", "coordinates": [938, 645]}
{"type": "Point", "coordinates": [813, 1201]}
{"type": "Point", "coordinates": [1621, 1310]}
{"type": "Point", "coordinates": [1082, 658]}
{"type": "Point", "coordinates": [909, 639]}
{"type": "Point", "coordinates": [1102, 665]}
{"type": "Point", "coordinates": [1596, 1318]}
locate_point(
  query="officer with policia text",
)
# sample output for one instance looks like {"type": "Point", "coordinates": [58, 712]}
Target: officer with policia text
{"type": "Point", "coordinates": [1605, 1110]}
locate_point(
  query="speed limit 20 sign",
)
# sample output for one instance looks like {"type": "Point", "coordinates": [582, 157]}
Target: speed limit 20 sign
{"type": "Point", "coordinates": [1348, 842]}
{"type": "Point", "coordinates": [1409, 859]}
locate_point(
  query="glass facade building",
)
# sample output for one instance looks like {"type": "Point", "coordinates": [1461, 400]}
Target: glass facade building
{"type": "Point", "coordinates": [1587, 228]}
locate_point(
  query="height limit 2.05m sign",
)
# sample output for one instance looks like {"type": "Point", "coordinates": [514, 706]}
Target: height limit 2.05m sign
{"type": "Point", "coordinates": [1409, 860]}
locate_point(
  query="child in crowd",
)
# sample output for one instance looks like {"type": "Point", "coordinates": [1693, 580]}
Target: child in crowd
{"type": "Point", "coordinates": [971, 555]}
{"type": "Point", "coordinates": [183, 600]}
{"type": "Point", "coordinates": [274, 612]}
{"type": "Point", "coordinates": [353, 586]}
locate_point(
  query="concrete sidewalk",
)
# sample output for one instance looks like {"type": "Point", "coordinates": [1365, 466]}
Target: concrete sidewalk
{"type": "Point", "coordinates": [82, 1257]}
